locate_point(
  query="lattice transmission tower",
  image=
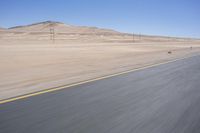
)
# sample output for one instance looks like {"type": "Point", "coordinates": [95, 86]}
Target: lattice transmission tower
{"type": "Point", "coordinates": [52, 33]}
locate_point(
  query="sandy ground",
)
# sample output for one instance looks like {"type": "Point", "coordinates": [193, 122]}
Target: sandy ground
{"type": "Point", "coordinates": [30, 61]}
{"type": "Point", "coordinates": [28, 66]}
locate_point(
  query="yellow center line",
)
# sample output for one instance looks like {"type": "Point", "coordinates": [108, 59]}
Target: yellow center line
{"type": "Point", "coordinates": [87, 81]}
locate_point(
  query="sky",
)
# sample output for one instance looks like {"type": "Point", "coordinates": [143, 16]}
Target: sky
{"type": "Point", "coordinates": [179, 18]}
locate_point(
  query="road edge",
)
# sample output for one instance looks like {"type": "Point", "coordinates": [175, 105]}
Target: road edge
{"type": "Point", "coordinates": [90, 80]}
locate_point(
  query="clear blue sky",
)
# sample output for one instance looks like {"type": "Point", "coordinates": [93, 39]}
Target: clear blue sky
{"type": "Point", "coordinates": [153, 17]}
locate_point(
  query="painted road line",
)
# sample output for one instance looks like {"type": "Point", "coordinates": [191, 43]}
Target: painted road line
{"type": "Point", "coordinates": [87, 81]}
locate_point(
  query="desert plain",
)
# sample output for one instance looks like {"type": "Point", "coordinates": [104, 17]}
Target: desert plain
{"type": "Point", "coordinates": [50, 54]}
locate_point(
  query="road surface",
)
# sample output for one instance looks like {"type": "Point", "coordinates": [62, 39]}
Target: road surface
{"type": "Point", "coordinates": [161, 99]}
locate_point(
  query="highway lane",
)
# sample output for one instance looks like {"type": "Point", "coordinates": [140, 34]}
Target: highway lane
{"type": "Point", "coordinates": [161, 99]}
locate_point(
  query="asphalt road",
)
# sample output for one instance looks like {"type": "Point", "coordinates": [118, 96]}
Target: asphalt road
{"type": "Point", "coordinates": [162, 99]}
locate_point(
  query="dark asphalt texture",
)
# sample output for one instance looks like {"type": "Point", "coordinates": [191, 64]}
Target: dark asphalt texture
{"type": "Point", "coordinates": [161, 99]}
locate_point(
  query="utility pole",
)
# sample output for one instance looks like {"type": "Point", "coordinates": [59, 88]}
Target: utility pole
{"type": "Point", "coordinates": [52, 33]}
{"type": "Point", "coordinates": [140, 36]}
{"type": "Point", "coordinates": [133, 38]}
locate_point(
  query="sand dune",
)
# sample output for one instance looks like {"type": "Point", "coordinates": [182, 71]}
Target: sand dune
{"type": "Point", "coordinates": [31, 61]}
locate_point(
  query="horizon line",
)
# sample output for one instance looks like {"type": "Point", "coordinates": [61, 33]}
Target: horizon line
{"type": "Point", "coordinates": [133, 33]}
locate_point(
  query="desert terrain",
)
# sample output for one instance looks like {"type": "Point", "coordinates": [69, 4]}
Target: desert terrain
{"type": "Point", "coordinates": [50, 54]}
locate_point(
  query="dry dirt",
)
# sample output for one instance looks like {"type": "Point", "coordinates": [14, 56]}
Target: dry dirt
{"type": "Point", "coordinates": [28, 64]}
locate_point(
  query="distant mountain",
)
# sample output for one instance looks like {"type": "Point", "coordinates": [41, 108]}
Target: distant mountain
{"type": "Point", "coordinates": [60, 28]}
{"type": "Point", "coordinates": [2, 29]}
{"type": "Point", "coordinates": [60, 31]}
